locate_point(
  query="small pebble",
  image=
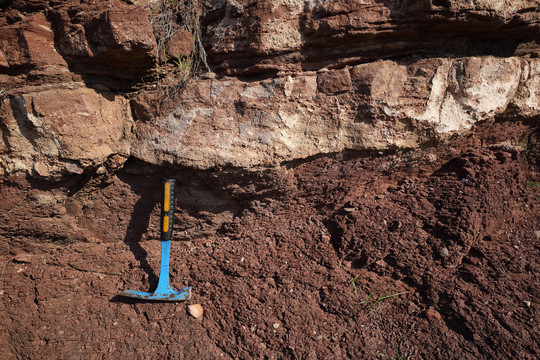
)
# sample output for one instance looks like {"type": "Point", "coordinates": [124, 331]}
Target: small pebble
{"type": "Point", "coordinates": [23, 258]}
{"type": "Point", "coordinates": [196, 310]}
{"type": "Point", "coordinates": [444, 253]}
{"type": "Point", "coordinates": [537, 233]}
{"type": "Point", "coordinates": [276, 325]}
{"type": "Point", "coordinates": [412, 308]}
{"type": "Point", "coordinates": [349, 209]}
{"type": "Point", "coordinates": [528, 303]}
{"type": "Point", "coordinates": [433, 314]}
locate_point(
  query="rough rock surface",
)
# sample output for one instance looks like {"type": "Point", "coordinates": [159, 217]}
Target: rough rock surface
{"type": "Point", "coordinates": [375, 106]}
{"type": "Point", "coordinates": [256, 36]}
{"type": "Point", "coordinates": [63, 131]}
{"type": "Point", "coordinates": [333, 151]}
{"type": "Point", "coordinates": [382, 101]}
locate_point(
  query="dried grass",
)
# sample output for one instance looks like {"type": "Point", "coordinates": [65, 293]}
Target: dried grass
{"type": "Point", "coordinates": [170, 17]}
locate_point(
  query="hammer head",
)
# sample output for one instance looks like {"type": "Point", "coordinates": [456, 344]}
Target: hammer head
{"type": "Point", "coordinates": [167, 294]}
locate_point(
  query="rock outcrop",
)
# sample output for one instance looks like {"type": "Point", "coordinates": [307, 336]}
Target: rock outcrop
{"type": "Point", "coordinates": [375, 106]}
{"type": "Point", "coordinates": [293, 79]}
{"type": "Point", "coordinates": [296, 35]}
{"type": "Point", "coordinates": [333, 158]}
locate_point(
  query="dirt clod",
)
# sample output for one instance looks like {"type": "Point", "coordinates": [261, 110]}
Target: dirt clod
{"type": "Point", "coordinates": [433, 314]}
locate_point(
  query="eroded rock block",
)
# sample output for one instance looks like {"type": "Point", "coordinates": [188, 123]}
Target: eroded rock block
{"type": "Point", "coordinates": [117, 42]}
{"type": "Point", "coordinates": [27, 46]}
{"type": "Point", "coordinates": [60, 131]}
{"type": "Point", "coordinates": [123, 36]}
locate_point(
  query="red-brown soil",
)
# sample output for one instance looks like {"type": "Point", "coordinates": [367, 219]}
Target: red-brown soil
{"type": "Point", "coordinates": [452, 229]}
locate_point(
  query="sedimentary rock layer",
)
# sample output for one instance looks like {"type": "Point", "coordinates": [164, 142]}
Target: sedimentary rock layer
{"type": "Point", "coordinates": [345, 75]}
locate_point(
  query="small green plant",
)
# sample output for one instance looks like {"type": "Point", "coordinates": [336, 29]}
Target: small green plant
{"type": "Point", "coordinates": [374, 302]}
{"type": "Point", "coordinates": [169, 17]}
{"type": "Point", "coordinates": [353, 282]}
{"type": "Point", "coordinates": [184, 66]}
{"type": "Point", "coordinates": [395, 356]}
{"type": "Point", "coordinates": [532, 184]}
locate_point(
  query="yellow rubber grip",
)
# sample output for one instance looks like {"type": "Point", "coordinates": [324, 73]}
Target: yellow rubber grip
{"type": "Point", "coordinates": [167, 200]}
{"type": "Point", "coordinates": [165, 224]}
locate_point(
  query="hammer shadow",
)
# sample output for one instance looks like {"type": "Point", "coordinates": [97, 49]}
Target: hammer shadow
{"type": "Point", "coordinates": [138, 226]}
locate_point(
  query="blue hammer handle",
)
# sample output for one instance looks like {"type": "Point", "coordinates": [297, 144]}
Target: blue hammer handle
{"type": "Point", "coordinates": [164, 291]}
